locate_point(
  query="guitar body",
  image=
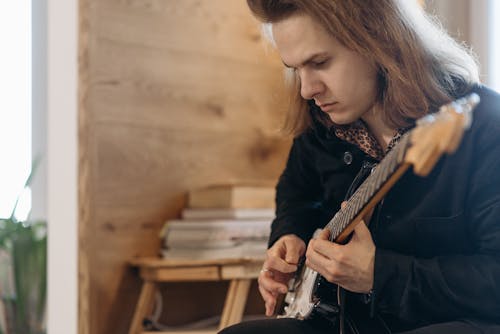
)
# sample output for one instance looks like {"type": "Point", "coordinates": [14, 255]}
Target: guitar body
{"type": "Point", "coordinates": [312, 297]}
{"type": "Point", "coordinates": [303, 298]}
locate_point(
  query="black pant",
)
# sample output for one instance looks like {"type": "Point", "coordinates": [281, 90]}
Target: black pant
{"type": "Point", "coordinates": [293, 326]}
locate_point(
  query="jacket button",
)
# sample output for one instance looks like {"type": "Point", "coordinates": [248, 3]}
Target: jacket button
{"type": "Point", "coordinates": [348, 158]}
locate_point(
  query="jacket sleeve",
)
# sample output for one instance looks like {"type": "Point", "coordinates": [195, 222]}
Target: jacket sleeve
{"type": "Point", "coordinates": [441, 288]}
{"type": "Point", "coordinates": [298, 195]}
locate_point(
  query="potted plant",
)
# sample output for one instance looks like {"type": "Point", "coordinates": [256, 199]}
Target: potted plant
{"type": "Point", "coordinates": [23, 273]}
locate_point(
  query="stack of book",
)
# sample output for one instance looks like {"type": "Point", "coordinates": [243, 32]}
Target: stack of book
{"type": "Point", "coordinates": [221, 222]}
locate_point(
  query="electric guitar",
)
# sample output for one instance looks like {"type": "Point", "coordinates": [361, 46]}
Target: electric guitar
{"type": "Point", "coordinates": [433, 136]}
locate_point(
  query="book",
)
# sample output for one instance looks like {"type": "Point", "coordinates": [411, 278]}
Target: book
{"type": "Point", "coordinates": [214, 233]}
{"type": "Point", "coordinates": [247, 250]}
{"type": "Point", "coordinates": [228, 213]}
{"type": "Point", "coordinates": [232, 196]}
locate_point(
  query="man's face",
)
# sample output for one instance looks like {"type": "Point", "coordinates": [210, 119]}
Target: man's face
{"type": "Point", "coordinates": [341, 82]}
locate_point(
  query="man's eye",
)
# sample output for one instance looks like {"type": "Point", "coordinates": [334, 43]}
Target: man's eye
{"type": "Point", "coordinates": [320, 63]}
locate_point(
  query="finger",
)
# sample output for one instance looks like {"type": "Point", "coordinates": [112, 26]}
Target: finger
{"type": "Point", "coordinates": [266, 271]}
{"type": "Point", "coordinates": [282, 277]}
{"type": "Point", "coordinates": [266, 295]}
{"type": "Point", "coordinates": [270, 308]}
{"type": "Point", "coordinates": [325, 267]}
{"type": "Point", "coordinates": [315, 258]}
{"type": "Point", "coordinates": [343, 204]}
{"type": "Point", "coordinates": [361, 231]}
{"type": "Point", "coordinates": [324, 235]}
{"type": "Point", "coordinates": [326, 248]}
{"type": "Point", "coordinates": [269, 300]}
{"type": "Point", "coordinates": [294, 251]}
{"type": "Point", "coordinates": [274, 275]}
{"type": "Point", "coordinates": [274, 262]}
{"type": "Point", "coordinates": [284, 255]}
{"type": "Point", "coordinates": [271, 285]}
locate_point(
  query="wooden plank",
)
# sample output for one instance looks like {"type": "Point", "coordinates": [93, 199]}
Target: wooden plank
{"type": "Point", "coordinates": [185, 87]}
{"type": "Point", "coordinates": [249, 271]}
{"type": "Point", "coordinates": [180, 274]}
{"type": "Point", "coordinates": [196, 158]}
{"type": "Point", "coordinates": [143, 23]}
{"type": "Point", "coordinates": [143, 65]}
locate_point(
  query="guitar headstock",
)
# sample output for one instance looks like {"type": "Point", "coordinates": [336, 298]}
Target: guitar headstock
{"type": "Point", "coordinates": [439, 133]}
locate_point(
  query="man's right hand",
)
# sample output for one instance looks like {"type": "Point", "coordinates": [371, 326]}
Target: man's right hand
{"type": "Point", "coordinates": [280, 264]}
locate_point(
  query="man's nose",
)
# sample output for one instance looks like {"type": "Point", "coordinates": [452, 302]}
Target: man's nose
{"type": "Point", "coordinates": [310, 85]}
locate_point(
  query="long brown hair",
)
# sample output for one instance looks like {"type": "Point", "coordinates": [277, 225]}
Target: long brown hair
{"type": "Point", "coordinates": [419, 66]}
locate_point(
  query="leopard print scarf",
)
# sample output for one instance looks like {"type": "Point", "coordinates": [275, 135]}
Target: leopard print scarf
{"type": "Point", "coordinates": [357, 133]}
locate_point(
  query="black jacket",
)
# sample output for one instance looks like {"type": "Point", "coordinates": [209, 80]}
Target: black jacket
{"type": "Point", "coordinates": [437, 238]}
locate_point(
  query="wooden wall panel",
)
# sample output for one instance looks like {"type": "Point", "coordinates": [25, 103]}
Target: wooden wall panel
{"type": "Point", "coordinates": [173, 95]}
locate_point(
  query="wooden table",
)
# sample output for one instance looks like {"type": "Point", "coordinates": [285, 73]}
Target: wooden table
{"type": "Point", "coordinates": [239, 272]}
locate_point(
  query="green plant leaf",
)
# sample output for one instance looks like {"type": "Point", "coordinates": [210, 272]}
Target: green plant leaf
{"type": "Point", "coordinates": [26, 242]}
{"type": "Point", "coordinates": [34, 166]}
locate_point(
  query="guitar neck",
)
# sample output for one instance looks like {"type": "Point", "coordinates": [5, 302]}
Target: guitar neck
{"type": "Point", "coordinates": [371, 191]}
{"type": "Point", "coordinates": [438, 133]}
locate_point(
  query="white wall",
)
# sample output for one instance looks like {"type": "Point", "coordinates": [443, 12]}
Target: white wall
{"type": "Point", "coordinates": [62, 157]}
{"type": "Point", "coordinates": [467, 21]}
{"type": "Point", "coordinates": [454, 14]}
{"type": "Point", "coordinates": [480, 35]}
{"type": "Point", "coordinates": [39, 109]}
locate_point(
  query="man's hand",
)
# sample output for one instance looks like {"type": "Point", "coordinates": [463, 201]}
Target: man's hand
{"type": "Point", "coordinates": [280, 264]}
{"type": "Point", "coordinates": [351, 265]}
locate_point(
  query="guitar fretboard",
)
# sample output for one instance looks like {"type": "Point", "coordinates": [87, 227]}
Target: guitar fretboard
{"type": "Point", "coordinates": [368, 189]}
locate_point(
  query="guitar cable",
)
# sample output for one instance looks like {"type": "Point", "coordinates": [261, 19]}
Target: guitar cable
{"type": "Point", "coordinates": [343, 318]}
{"type": "Point", "coordinates": [340, 302]}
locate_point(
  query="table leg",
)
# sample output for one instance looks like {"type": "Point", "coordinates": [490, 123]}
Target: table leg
{"type": "Point", "coordinates": [144, 307]}
{"type": "Point", "coordinates": [236, 300]}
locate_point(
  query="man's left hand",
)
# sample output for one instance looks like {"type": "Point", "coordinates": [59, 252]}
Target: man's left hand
{"type": "Point", "coordinates": [351, 265]}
